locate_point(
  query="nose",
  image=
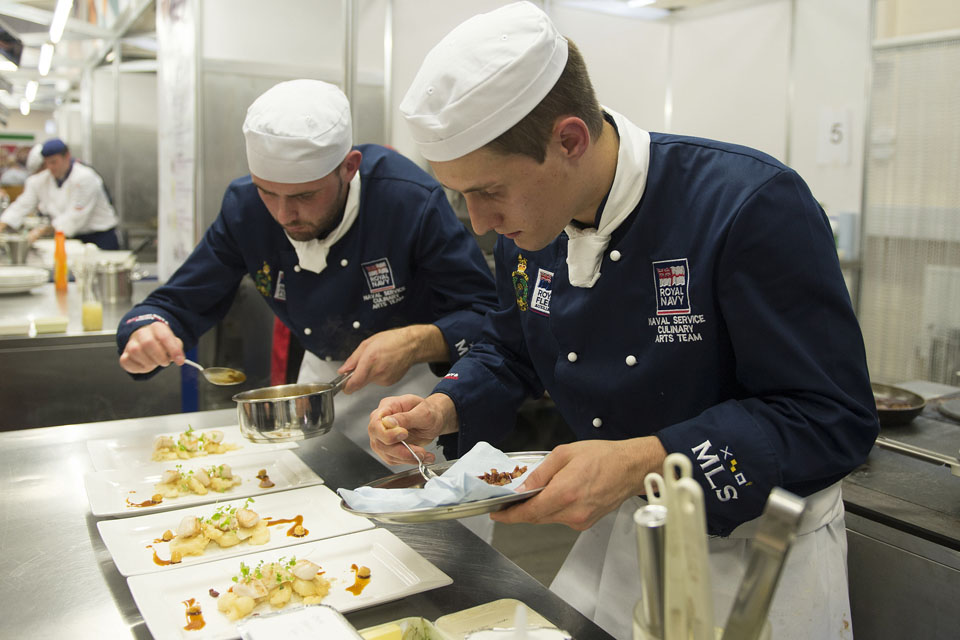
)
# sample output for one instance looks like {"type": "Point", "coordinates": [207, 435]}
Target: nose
{"type": "Point", "coordinates": [483, 217]}
{"type": "Point", "coordinates": [286, 211]}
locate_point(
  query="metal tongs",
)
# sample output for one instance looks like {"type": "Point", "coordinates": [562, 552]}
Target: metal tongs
{"type": "Point", "coordinates": [776, 531]}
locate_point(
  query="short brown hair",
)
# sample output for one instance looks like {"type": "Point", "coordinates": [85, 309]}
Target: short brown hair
{"type": "Point", "coordinates": [572, 95]}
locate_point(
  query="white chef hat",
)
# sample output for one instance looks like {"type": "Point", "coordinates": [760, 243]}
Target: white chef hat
{"type": "Point", "coordinates": [484, 77]}
{"type": "Point", "coordinates": [35, 158]}
{"type": "Point", "coordinates": [298, 131]}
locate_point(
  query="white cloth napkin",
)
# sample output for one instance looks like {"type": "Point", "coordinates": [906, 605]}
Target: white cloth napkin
{"type": "Point", "coordinates": [460, 483]}
{"type": "Point", "coordinates": [585, 247]}
{"type": "Point", "coordinates": [312, 254]}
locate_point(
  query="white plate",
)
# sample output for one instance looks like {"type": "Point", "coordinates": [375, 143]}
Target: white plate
{"type": "Point", "coordinates": [21, 275]}
{"type": "Point", "coordinates": [131, 540]}
{"type": "Point", "coordinates": [111, 492]}
{"type": "Point", "coordinates": [135, 451]}
{"type": "Point", "coordinates": [396, 570]}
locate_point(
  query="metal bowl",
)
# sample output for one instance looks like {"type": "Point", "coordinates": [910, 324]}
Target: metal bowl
{"type": "Point", "coordinates": [896, 406]}
{"type": "Point", "coordinates": [287, 412]}
{"type": "Point", "coordinates": [16, 246]}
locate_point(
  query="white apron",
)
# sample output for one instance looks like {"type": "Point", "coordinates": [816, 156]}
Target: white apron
{"type": "Point", "coordinates": [351, 415]}
{"type": "Point", "coordinates": [601, 577]}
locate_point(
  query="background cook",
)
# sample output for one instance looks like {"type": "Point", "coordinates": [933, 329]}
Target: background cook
{"type": "Point", "coordinates": [355, 249]}
{"type": "Point", "coordinates": [72, 194]}
{"type": "Point", "coordinates": [673, 294]}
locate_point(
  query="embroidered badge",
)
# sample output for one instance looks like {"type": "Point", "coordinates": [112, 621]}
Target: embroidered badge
{"type": "Point", "coordinates": [379, 275]}
{"type": "Point", "coordinates": [723, 463]}
{"type": "Point", "coordinates": [262, 280]}
{"type": "Point", "coordinates": [540, 303]}
{"type": "Point", "coordinates": [521, 283]}
{"type": "Point", "coordinates": [280, 293]}
{"type": "Point", "coordinates": [672, 278]}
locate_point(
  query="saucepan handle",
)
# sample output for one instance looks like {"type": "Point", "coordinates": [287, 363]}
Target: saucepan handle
{"type": "Point", "coordinates": [339, 381]}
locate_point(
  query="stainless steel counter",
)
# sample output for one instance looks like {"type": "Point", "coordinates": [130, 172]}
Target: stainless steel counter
{"type": "Point", "coordinates": [60, 581]}
{"type": "Point", "coordinates": [52, 379]}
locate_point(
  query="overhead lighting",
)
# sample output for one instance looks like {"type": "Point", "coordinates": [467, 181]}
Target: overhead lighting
{"type": "Point", "coordinates": [60, 15]}
{"type": "Point", "coordinates": [30, 93]}
{"type": "Point", "coordinates": [7, 65]}
{"type": "Point", "coordinates": [636, 4]}
{"type": "Point", "coordinates": [46, 58]}
{"type": "Point", "coordinates": [25, 107]}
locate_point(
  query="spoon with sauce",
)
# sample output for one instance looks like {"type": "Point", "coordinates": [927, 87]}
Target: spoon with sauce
{"type": "Point", "coordinates": [223, 376]}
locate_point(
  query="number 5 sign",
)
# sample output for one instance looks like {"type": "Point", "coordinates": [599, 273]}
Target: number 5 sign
{"type": "Point", "coordinates": [833, 137]}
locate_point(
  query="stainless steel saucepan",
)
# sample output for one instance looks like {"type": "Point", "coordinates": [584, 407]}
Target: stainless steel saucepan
{"type": "Point", "coordinates": [289, 411]}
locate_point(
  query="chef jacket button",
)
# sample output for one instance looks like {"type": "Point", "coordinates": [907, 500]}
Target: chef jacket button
{"type": "Point", "coordinates": [344, 262]}
{"type": "Point", "coordinates": [597, 423]}
{"type": "Point", "coordinates": [356, 324]}
{"type": "Point", "coordinates": [631, 360]}
{"type": "Point", "coordinates": [572, 356]}
{"type": "Point", "coordinates": [307, 331]}
{"type": "Point", "coordinates": [329, 358]}
{"type": "Point", "coordinates": [296, 268]}
{"type": "Point", "coordinates": [614, 255]}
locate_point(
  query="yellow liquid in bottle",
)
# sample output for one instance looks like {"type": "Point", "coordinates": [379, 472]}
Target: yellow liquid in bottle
{"type": "Point", "coordinates": [92, 316]}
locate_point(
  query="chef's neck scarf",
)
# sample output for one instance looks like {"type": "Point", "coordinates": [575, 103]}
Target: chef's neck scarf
{"type": "Point", "coordinates": [312, 254]}
{"type": "Point", "coordinates": [66, 175]}
{"type": "Point", "coordinates": [585, 247]}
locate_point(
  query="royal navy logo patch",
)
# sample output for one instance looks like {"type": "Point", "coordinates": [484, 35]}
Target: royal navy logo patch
{"type": "Point", "coordinates": [672, 279]}
{"type": "Point", "coordinates": [262, 280]}
{"type": "Point", "coordinates": [540, 303]}
{"type": "Point", "coordinates": [521, 283]}
{"type": "Point", "coordinates": [379, 275]}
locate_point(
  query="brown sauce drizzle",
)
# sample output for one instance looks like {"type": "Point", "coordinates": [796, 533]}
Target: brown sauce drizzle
{"type": "Point", "coordinates": [195, 619]}
{"type": "Point", "coordinates": [292, 532]}
{"type": "Point", "coordinates": [158, 560]}
{"type": "Point", "coordinates": [146, 503]}
{"type": "Point", "coordinates": [358, 583]}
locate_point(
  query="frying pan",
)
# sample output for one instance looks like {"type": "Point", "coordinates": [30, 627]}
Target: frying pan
{"type": "Point", "coordinates": [896, 406]}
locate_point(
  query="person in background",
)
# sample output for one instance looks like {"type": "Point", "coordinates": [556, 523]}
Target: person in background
{"type": "Point", "coordinates": [672, 294]}
{"type": "Point", "coordinates": [71, 194]}
{"type": "Point", "coordinates": [355, 249]}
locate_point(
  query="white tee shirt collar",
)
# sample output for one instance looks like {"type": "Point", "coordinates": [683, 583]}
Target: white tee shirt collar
{"type": "Point", "coordinates": [312, 254]}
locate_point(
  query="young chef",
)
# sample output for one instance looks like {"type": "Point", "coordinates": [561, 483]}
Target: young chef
{"type": "Point", "coordinates": [72, 194]}
{"type": "Point", "coordinates": [672, 294]}
{"type": "Point", "coordinates": [355, 249]}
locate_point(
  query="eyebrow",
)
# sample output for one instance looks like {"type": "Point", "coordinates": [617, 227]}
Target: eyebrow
{"type": "Point", "coordinates": [289, 195]}
{"type": "Point", "coordinates": [481, 187]}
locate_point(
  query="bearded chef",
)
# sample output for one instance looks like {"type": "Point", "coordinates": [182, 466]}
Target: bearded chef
{"type": "Point", "coordinates": [672, 294]}
{"type": "Point", "coordinates": [72, 194]}
{"type": "Point", "coordinates": [355, 249]}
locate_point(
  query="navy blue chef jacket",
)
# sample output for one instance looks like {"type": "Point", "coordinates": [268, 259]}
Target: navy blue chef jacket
{"type": "Point", "coordinates": [406, 260]}
{"type": "Point", "coordinates": [720, 323]}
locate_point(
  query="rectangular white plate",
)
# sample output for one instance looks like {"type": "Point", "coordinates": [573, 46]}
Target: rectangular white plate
{"type": "Point", "coordinates": [127, 539]}
{"type": "Point", "coordinates": [134, 451]}
{"type": "Point", "coordinates": [112, 492]}
{"type": "Point", "coordinates": [396, 571]}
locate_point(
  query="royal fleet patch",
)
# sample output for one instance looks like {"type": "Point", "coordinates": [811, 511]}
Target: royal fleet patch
{"type": "Point", "coordinates": [540, 302]}
{"type": "Point", "coordinates": [379, 275]}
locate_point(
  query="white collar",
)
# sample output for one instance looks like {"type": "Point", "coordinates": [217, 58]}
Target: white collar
{"type": "Point", "coordinates": [312, 254]}
{"type": "Point", "coordinates": [585, 247]}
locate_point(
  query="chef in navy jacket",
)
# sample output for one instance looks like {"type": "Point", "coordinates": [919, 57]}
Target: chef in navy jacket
{"type": "Point", "coordinates": [355, 249]}
{"type": "Point", "coordinates": [672, 294]}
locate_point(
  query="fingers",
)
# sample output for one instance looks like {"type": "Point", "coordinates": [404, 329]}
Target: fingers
{"type": "Point", "coordinates": [360, 370]}
{"type": "Point", "coordinates": [150, 347]}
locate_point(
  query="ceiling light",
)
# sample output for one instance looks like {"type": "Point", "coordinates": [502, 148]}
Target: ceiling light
{"type": "Point", "coordinates": [60, 15]}
{"type": "Point", "coordinates": [31, 91]}
{"type": "Point", "coordinates": [634, 4]}
{"type": "Point", "coordinates": [7, 65]}
{"type": "Point", "coordinates": [46, 58]}
{"type": "Point", "coordinates": [25, 107]}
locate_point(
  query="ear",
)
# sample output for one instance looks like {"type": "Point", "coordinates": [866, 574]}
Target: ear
{"type": "Point", "coordinates": [574, 136]}
{"type": "Point", "coordinates": [351, 164]}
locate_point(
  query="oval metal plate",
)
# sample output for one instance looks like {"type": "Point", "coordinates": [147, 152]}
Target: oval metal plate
{"type": "Point", "coordinates": [411, 479]}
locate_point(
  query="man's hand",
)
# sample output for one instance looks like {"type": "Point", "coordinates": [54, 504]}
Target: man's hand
{"type": "Point", "coordinates": [3, 227]}
{"type": "Point", "coordinates": [151, 346]}
{"type": "Point", "coordinates": [412, 419]}
{"type": "Point", "coordinates": [585, 481]}
{"type": "Point", "coordinates": [385, 357]}
{"type": "Point", "coordinates": [39, 232]}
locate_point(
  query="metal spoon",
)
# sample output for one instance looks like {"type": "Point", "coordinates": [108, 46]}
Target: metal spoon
{"type": "Point", "coordinates": [223, 376]}
{"type": "Point", "coordinates": [425, 471]}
